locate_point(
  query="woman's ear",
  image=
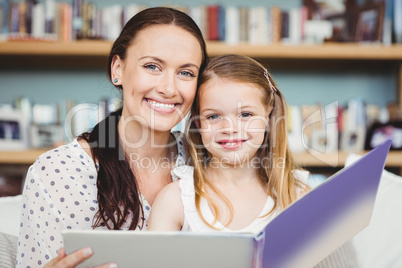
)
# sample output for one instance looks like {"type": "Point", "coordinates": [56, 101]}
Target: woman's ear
{"type": "Point", "coordinates": [116, 67]}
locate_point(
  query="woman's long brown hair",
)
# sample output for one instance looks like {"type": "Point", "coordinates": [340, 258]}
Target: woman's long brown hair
{"type": "Point", "coordinates": [118, 192]}
{"type": "Point", "coordinates": [276, 170]}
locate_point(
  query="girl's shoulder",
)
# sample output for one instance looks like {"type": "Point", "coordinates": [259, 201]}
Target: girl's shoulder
{"type": "Point", "coordinates": [301, 175]}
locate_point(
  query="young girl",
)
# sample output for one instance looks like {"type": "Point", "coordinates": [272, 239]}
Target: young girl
{"type": "Point", "coordinates": [242, 172]}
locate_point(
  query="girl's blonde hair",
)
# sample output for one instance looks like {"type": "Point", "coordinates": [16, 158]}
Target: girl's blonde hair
{"type": "Point", "coordinates": [276, 170]}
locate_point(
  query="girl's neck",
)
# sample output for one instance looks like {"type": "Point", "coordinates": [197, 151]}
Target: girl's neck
{"type": "Point", "coordinates": [237, 174]}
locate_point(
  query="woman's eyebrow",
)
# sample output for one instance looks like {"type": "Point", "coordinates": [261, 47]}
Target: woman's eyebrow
{"type": "Point", "coordinates": [190, 65]}
{"type": "Point", "coordinates": [163, 62]}
{"type": "Point", "coordinates": [153, 58]}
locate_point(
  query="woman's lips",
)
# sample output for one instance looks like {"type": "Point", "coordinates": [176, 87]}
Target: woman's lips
{"type": "Point", "coordinates": [161, 107]}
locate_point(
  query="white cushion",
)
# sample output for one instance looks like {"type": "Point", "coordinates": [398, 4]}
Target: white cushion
{"type": "Point", "coordinates": [10, 208]}
{"type": "Point", "coordinates": [8, 250]}
{"type": "Point", "coordinates": [380, 244]}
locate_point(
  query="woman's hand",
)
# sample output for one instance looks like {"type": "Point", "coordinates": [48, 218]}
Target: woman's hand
{"type": "Point", "coordinates": [73, 259]}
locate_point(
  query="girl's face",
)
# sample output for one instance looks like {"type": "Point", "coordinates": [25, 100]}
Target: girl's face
{"type": "Point", "coordinates": [159, 76]}
{"type": "Point", "coordinates": [233, 120]}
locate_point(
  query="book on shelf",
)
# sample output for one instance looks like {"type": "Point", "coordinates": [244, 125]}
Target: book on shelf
{"type": "Point", "coordinates": [330, 128]}
{"type": "Point", "coordinates": [398, 21]}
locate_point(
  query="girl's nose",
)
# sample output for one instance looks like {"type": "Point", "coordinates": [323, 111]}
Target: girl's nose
{"type": "Point", "coordinates": [230, 125]}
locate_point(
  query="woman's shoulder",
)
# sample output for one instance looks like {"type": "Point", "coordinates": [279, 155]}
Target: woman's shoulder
{"type": "Point", "coordinates": [182, 146]}
{"type": "Point", "coordinates": [68, 154]}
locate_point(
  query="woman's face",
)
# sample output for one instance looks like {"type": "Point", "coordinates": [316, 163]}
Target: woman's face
{"type": "Point", "coordinates": [159, 76]}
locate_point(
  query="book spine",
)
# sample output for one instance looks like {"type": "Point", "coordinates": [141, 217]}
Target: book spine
{"type": "Point", "coordinates": [22, 23]}
{"type": "Point", "coordinates": [232, 24]}
{"type": "Point", "coordinates": [213, 22]}
{"type": "Point", "coordinates": [77, 19]}
{"type": "Point", "coordinates": [29, 13]}
{"type": "Point", "coordinates": [50, 10]}
{"type": "Point", "coordinates": [276, 22]}
{"type": "Point", "coordinates": [221, 24]}
{"type": "Point", "coordinates": [244, 28]}
{"type": "Point", "coordinates": [398, 21]}
{"type": "Point", "coordinates": [14, 18]}
{"type": "Point", "coordinates": [284, 35]}
{"type": "Point", "coordinates": [4, 11]}
{"type": "Point", "coordinates": [38, 20]}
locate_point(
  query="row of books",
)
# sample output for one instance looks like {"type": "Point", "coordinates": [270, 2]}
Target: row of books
{"type": "Point", "coordinates": [334, 127]}
{"type": "Point", "coordinates": [51, 20]}
{"type": "Point", "coordinates": [48, 124]}
{"type": "Point", "coordinates": [80, 19]}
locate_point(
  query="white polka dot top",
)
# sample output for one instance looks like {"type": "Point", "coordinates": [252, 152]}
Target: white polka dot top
{"type": "Point", "coordinates": [60, 193]}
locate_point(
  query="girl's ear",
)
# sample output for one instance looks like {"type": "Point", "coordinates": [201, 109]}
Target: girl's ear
{"type": "Point", "coordinates": [116, 67]}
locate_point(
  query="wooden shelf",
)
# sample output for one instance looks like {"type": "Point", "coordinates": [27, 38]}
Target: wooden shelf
{"type": "Point", "coordinates": [24, 157]}
{"type": "Point", "coordinates": [337, 159]}
{"type": "Point", "coordinates": [394, 158]}
{"type": "Point", "coordinates": [348, 51]}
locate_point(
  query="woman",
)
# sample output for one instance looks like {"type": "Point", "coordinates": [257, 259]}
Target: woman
{"type": "Point", "coordinates": [108, 178]}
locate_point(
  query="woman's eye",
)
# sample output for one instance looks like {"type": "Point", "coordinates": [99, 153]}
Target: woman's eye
{"type": "Point", "coordinates": [245, 114]}
{"type": "Point", "coordinates": [213, 117]}
{"type": "Point", "coordinates": [151, 67]}
{"type": "Point", "coordinates": [187, 73]}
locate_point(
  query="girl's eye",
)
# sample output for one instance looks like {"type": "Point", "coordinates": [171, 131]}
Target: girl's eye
{"type": "Point", "coordinates": [245, 114]}
{"type": "Point", "coordinates": [187, 74]}
{"type": "Point", "coordinates": [213, 117]}
{"type": "Point", "coordinates": [151, 67]}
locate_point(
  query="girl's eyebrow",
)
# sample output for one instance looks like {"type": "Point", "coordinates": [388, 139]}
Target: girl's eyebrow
{"type": "Point", "coordinates": [217, 110]}
{"type": "Point", "coordinates": [163, 62]}
{"type": "Point", "coordinates": [207, 110]}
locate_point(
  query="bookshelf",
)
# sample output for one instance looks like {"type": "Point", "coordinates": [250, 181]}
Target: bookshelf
{"type": "Point", "coordinates": [338, 51]}
{"type": "Point", "coordinates": [94, 54]}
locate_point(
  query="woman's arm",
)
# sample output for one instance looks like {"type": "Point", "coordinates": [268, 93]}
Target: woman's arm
{"type": "Point", "coordinates": [167, 213]}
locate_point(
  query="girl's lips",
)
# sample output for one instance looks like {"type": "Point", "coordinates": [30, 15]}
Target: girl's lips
{"type": "Point", "coordinates": [231, 144]}
{"type": "Point", "coordinates": [161, 107]}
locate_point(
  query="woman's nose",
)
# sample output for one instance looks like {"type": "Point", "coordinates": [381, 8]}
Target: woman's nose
{"type": "Point", "coordinates": [167, 85]}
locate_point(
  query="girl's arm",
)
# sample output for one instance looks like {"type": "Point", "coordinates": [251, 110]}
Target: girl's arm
{"type": "Point", "coordinates": [167, 212]}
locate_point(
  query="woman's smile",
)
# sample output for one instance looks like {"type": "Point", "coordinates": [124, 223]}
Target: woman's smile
{"type": "Point", "coordinates": [165, 107]}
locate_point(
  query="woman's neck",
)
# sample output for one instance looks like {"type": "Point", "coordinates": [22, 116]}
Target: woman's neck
{"type": "Point", "coordinates": [139, 141]}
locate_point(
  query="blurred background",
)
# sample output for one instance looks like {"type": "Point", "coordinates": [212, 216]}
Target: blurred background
{"type": "Point", "coordinates": [338, 63]}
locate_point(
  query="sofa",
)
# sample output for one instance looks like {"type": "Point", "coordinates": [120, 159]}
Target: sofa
{"type": "Point", "coordinates": [377, 246]}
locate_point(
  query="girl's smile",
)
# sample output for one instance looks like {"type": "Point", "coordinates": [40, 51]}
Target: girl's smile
{"type": "Point", "coordinates": [231, 144]}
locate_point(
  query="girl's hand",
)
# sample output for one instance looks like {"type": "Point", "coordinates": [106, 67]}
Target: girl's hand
{"type": "Point", "coordinates": [73, 259]}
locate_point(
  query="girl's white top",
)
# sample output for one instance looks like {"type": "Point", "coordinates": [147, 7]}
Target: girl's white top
{"type": "Point", "coordinates": [192, 220]}
{"type": "Point", "coordinates": [60, 193]}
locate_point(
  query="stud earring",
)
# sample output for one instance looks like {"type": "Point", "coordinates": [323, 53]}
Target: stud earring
{"type": "Point", "coordinates": [115, 80]}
